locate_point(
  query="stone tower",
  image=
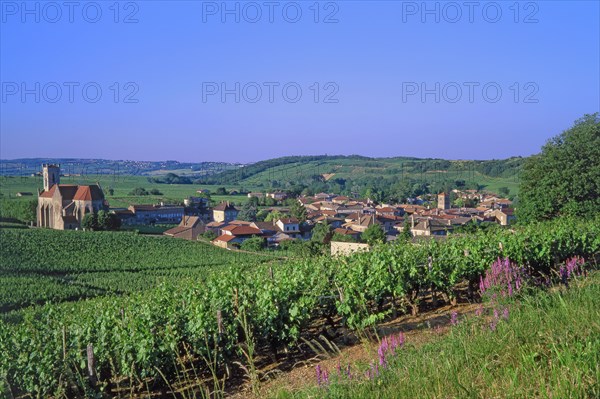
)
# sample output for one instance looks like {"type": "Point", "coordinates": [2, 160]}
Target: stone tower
{"type": "Point", "coordinates": [51, 175]}
{"type": "Point", "coordinates": [443, 201]}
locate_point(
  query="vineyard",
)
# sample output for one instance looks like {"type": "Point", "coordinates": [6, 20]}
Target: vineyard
{"type": "Point", "coordinates": [212, 323]}
{"type": "Point", "coordinates": [41, 265]}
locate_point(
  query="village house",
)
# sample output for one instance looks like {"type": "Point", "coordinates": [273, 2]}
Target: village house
{"type": "Point", "coordinates": [429, 227]}
{"type": "Point", "coordinates": [323, 197]}
{"type": "Point", "coordinates": [189, 228]}
{"type": "Point", "coordinates": [504, 216]}
{"type": "Point", "coordinates": [347, 232]}
{"type": "Point", "coordinates": [125, 216]}
{"type": "Point", "coordinates": [234, 235]}
{"type": "Point", "coordinates": [277, 196]}
{"type": "Point", "coordinates": [224, 212]}
{"type": "Point", "coordinates": [340, 200]}
{"type": "Point", "coordinates": [216, 227]}
{"type": "Point", "coordinates": [153, 214]}
{"type": "Point", "coordinates": [196, 202]}
{"type": "Point", "coordinates": [389, 211]}
{"type": "Point", "coordinates": [289, 226]}
{"type": "Point", "coordinates": [362, 223]}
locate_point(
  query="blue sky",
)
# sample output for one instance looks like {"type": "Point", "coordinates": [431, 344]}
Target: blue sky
{"type": "Point", "coordinates": [435, 79]}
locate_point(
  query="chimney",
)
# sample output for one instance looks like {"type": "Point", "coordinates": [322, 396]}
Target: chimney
{"type": "Point", "coordinates": [412, 221]}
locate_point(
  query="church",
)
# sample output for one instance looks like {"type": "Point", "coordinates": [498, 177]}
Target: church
{"type": "Point", "coordinates": [63, 206]}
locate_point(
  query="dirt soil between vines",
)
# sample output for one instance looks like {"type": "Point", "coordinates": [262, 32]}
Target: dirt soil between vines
{"type": "Point", "coordinates": [298, 371]}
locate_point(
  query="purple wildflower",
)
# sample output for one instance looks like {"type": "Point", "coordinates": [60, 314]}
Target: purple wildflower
{"type": "Point", "coordinates": [493, 325]}
{"type": "Point", "coordinates": [505, 313]}
{"type": "Point", "coordinates": [454, 318]}
{"type": "Point", "coordinates": [401, 339]}
{"type": "Point", "coordinates": [504, 277]}
{"type": "Point", "coordinates": [318, 370]}
{"type": "Point", "coordinates": [479, 311]}
{"type": "Point", "coordinates": [381, 354]}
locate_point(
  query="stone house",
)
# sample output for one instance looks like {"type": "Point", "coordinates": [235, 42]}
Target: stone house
{"type": "Point", "coordinates": [224, 212]}
{"type": "Point", "coordinates": [189, 228]}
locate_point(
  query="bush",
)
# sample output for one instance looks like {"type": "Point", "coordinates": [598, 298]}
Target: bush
{"type": "Point", "coordinates": [139, 191]}
{"type": "Point", "coordinates": [209, 235]}
{"type": "Point", "coordinates": [254, 244]}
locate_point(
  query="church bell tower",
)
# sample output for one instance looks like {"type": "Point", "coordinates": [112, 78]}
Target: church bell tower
{"type": "Point", "coordinates": [51, 175]}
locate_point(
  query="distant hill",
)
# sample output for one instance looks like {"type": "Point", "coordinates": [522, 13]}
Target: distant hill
{"type": "Point", "coordinates": [80, 166]}
{"type": "Point", "coordinates": [328, 171]}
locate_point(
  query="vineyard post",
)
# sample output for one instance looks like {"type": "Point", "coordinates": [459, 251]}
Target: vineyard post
{"type": "Point", "coordinates": [91, 363]}
{"type": "Point", "coordinates": [64, 342]}
{"type": "Point", "coordinates": [434, 301]}
{"type": "Point", "coordinates": [220, 322]}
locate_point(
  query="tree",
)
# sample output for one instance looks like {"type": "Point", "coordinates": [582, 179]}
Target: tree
{"type": "Point", "coordinates": [155, 191]}
{"type": "Point", "coordinates": [274, 216]}
{"type": "Point", "coordinates": [261, 215]}
{"type": "Point", "coordinates": [321, 232]}
{"type": "Point", "coordinates": [138, 191]}
{"type": "Point", "coordinates": [113, 222]}
{"type": "Point", "coordinates": [221, 191]}
{"type": "Point", "coordinates": [111, 191]}
{"type": "Point", "coordinates": [209, 235]}
{"type": "Point", "coordinates": [254, 244]}
{"type": "Point", "coordinates": [504, 191]}
{"type": "Point", "coordinates": [374, 235]}
{"type": "Point", "coordinates": [459, 202]}
{"type": "Point", "coordinates": [564, 179]}
{"type": "Point", "coordinates": [90, 221]}
{"type": "Point", "coordinates": [248, 212]}
{"type": "Point", "coordinates": [298, 211]}
{"type": "Point", "coordinates": [342, 237]}
{"type": "Point", "coordinates": [102, 220]}
{"type": "Point", "coordinates": [406, 234]}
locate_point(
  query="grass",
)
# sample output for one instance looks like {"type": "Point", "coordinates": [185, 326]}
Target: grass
{"type": "Point", "coordinates": [549, 347]}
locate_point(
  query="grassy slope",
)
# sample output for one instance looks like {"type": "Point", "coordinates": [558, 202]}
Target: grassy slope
{"type": "Point", "coordinates": [548, 348]}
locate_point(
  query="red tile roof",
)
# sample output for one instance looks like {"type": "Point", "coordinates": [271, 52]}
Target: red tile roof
{"type": "Point", "coordinates": [289, 220]}
{"type": "Point", "coordinates": [49, 193]}
{"type": "Point", "coordinates": [242, 230]}
{"type": "Point", "coordinates": [224, 206]}
{"type": "Point", "coordinates": [224, 238]}
{"type": "Point", "coordinates": [88, 193]}
{"type": "Point", "coordinates": [76, 193]}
